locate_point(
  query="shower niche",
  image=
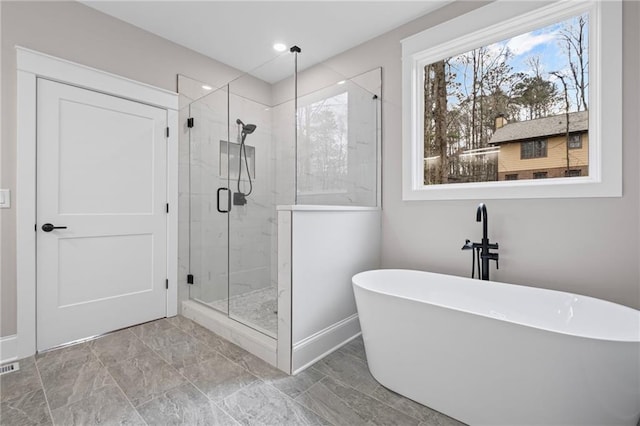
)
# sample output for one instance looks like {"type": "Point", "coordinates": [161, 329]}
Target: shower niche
{"type": "Point", "coordinates": [256, 152]}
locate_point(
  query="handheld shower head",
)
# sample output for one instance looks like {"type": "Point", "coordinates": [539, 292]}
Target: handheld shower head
{"type": "Point", "coordinates": [468, 245]}
{"type": "Point", "coordinates": [247, 129]}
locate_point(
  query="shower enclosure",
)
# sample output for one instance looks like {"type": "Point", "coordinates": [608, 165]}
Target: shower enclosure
{"type": "Point", "coordinates": [266, 139]}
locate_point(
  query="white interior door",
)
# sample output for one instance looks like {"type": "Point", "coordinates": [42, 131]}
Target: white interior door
{"type": "Point", "coordinates": [102, 174]}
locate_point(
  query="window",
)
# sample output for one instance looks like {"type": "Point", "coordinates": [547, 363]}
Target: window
{"type": "Point", "coordinates": [573, 173]}
{"type": "Point", "coordinates": [513, 176]}
{"type": "Point", "coordinates": [540, 175]}
{"type": "Point", "coordinates": [480, 104]}
{"type": "Point", "coordinates": [533, 149]}
{"type": "Point", "coordinates": [575, 141]}
{"type": "Point", "coordinates": [522, 87]}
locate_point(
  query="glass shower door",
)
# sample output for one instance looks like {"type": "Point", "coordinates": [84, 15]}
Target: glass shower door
{"type": "Point", "coordinates": [208, 180]}
{"type": "Point", "coordinates": [252, 287]}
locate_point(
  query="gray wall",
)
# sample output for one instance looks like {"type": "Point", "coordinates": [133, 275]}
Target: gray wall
{"type": "Point", "coordinates": [588, 246]}
{"type": "Point", "coordinates": [78, 33]}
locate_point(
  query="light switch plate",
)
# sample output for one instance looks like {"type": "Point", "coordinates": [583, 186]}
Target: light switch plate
{"type": "Point", "coordinates": [5, 198]}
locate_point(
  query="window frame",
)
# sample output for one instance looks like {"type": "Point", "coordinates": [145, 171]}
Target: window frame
{"type": "Point", "coordinates": [498, 21]}
{"type": "Point", "coordinates": [579, 143]}
{"type": "Point", "coordinates": [534, 150]}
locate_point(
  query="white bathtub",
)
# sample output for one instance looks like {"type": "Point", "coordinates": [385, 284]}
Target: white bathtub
{"type": "Point", "coordinates": [488, 353]}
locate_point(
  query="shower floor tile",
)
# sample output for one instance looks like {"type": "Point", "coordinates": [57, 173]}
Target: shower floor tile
{"type": "Point", "coordinates": [174, 371]}
{"type": "Point", "coordinates": [257, 309]}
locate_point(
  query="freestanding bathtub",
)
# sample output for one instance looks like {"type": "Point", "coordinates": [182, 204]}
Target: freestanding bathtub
{"type": "Point", "coordinates": [488, 353]}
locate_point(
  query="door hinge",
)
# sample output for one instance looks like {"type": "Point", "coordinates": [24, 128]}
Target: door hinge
{"type": "Point", "coordinates": [167, 132]}
{"type": "Point", "coordinates": [167, 283]}
{"type": "Point", "coordinates": [167, 207]}
{"type": "Point", "coordinates": [189, 279]}
{"type": "Point", "coordinates": [190, 122]}
{"type": "Point", "coordinates": [35, 227]}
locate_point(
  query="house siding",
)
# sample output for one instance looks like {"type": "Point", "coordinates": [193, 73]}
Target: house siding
{"type": "Point", "coordinates": [509, 161]}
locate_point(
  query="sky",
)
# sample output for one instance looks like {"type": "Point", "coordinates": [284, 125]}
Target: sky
{"type": "Point", "coordinates": [543, 43]}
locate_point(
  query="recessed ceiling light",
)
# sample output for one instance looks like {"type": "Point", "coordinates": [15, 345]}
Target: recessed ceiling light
{"type": "Point", "coordinates": [279, 47]}
{"type": "Point", "coordinates": [342, 82]}
{"type": "Point", "coordinates": [205, 87]}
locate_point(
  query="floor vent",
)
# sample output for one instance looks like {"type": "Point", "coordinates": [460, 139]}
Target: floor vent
{"type": "Point", "coordinates": [9, 368]}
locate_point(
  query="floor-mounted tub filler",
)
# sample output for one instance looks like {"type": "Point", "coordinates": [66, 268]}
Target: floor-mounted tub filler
{"type": "Point", "coordinates": [489, 353]}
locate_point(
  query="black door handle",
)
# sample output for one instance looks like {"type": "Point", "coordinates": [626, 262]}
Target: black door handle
{"type": "Point", "coordinates": [228, 200]}
{"type": "Point", "coordinates": [47, 227]}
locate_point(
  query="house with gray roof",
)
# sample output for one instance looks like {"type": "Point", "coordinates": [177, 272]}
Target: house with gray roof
{"type": "Point", "coordinates": [542, 148]}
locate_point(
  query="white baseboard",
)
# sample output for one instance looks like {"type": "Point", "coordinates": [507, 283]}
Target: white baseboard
{"type": "Point", "coordinates": [8, 348]}
{"type": "Point", "coordinates": [315, 347]}
{"type": "Point", "coordinates": [260, 345]}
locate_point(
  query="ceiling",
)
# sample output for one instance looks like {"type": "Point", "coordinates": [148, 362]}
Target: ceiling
{"type": "Point", "coordinates": [242, 33]}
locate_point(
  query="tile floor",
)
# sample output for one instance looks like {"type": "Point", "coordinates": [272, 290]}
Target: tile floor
{"type": "Point", "coordinates": [173, 371]}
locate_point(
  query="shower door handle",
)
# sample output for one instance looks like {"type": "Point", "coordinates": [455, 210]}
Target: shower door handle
{"type": "Point", "coordinates": [228, 200]}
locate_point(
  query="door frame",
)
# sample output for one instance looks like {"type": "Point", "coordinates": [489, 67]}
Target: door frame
{"type": "Point", "coordinates": [32, 65]}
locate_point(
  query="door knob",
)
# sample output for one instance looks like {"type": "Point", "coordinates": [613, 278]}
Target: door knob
{"type": "Point", "coordinates": [47, 227]}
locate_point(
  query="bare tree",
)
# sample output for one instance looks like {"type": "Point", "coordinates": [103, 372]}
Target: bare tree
{"type": "Point", "coordinates": [440, 116]}
{"type": "Point", "coordinates": [566, 116]}
{"type": "Point", "coordinates": [575, 40]}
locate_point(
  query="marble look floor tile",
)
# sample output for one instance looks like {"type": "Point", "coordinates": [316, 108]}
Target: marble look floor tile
{"type": "Point", "coordinates": [337, 397]}
{"type": "Point", "coordinates": [184, 354]}
{"type": "Point", "coordinates": [355, 348]}
{"type": "Point", "coordinates": [220, 344]}
{"type": "Point", "coordinates": [349, 370]}
{"type": "Point", "coordinates": [108, 406]}
{"type": "Point", "coordinates": [250, 362]}
{"type": "Point", "coordinates": [20, 382]}
{"type": "Point", "coordinates": [26, 409]}
{"type": "Point", "coordinates": [145, 377]}
{"type": "Point", "coordinates": [324, 402]}
{"type": "Point", "coordinates": [194, 329]}
{"type": "Point", "coordinates": [118, 346]}
{"type": "Point", "coordinates": [261, 404]}
{"type": "Point", "coordinates": [149, 327]}
{"type": "Point", "coordinates": [155, 336]}
{"type": "Point", "coordinates": [64, 385]}
{"type": "Point", "coordinates": [218, 377]}
{"type": "Point", "coordinates": [293, 386]}
{"type": "Point", "coordinates": [67, 357]}
{"type": "Point", "coordinates": [441, 420]}
{"type": "Point", "coordinates": [184, 405]}
{"type": "Point", "coordinates": [184, 324]}
{"type": "Point", "coordinates": [412, 408]}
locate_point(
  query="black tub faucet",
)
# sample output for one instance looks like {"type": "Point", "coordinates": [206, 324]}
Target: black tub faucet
{"type": "Point", "coordinates": [482, 251]}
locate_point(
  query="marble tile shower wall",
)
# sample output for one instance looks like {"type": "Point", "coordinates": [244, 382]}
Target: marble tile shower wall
{"type": "Point", "coordinates": [250, 257]}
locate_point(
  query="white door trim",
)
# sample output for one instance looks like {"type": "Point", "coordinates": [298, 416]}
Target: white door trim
{"type": "Point", "coordinates": [30, 66]}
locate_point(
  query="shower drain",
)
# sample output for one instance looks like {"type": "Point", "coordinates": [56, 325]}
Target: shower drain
{"type": "Point", "coordinates": [14, 366]}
